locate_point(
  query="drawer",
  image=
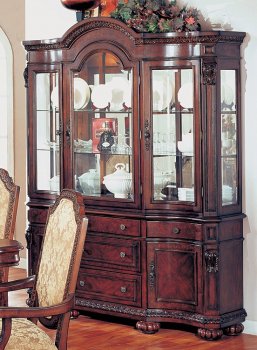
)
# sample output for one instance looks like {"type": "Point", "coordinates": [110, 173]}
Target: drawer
{"type": "Point", "coordinates": [174, 229]}
{"type": "Point", "coordinates": [109, 287]}
{"type": "Point", "coordinates": [112, 252]}
{"type": "Point", "coordinates": [114, 225]}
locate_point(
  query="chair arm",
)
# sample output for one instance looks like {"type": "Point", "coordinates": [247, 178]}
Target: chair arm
{"type": "Point", "coordinates": [30, 312]}
{"type": "Point", "coordinates": [23, 283]}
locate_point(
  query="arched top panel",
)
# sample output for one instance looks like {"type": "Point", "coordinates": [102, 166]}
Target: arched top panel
{"type": "Point", "coordinates": [101, 23]}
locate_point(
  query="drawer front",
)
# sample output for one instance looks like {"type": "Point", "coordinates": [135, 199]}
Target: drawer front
{"type": "Point", "coordinates": [174, 229]}
{"type": "Point", "coordinates": [111, 252]}
{"type": "Point", "coordinates": [109, 287]}
{"type": "Point", "coordinates": [114, 225]}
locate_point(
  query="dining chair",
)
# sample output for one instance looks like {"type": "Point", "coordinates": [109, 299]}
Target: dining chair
{"type": "Point", "coordinates": [53, 286]}
{"type": "Point", "coordinates": [9, 197]}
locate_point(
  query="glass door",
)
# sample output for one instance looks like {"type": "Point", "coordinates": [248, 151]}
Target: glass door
{"type": "Point", "coordinates": [229, 141]}
{"type": "Point", "coordinates": [103, 145]}
{"type": "Point", "coordinates": [173, 135]}
{"type": "Point", "coordinates": [47, 129]}
{"type": "Point", "coordinates": [171, 151]}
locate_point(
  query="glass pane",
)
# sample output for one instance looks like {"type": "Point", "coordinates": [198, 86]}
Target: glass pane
{"type": "Point", "coordinates": [228, 137]}
{"type": "Point", "coordinates": [173, 135]}
{"type": "Point", "coordinates": [47, 141]}
{"type": "Point", "coordinates": [103, 128]}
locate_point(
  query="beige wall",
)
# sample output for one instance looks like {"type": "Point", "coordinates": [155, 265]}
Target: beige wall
{"type": "Point", "coordinates": [12, 22]}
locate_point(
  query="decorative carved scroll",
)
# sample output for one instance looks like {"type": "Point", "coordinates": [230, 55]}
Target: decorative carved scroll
{"type": "Point", "coordinates": [209, 73]}
{"type": "Point", "coordinates": [212, 260]}
{"type": "Point", "coordinates": [25, 76]}
{"type": "Point", "coordinates": [152, 274]}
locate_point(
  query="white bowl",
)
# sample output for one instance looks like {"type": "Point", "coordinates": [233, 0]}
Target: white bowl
{"type": "Point", "coordinates": [120, 182]}
{"type": "Point", "coordinates": [90, 182]}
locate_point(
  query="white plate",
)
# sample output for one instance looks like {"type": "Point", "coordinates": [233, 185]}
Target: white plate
{"type": "Point", "coordinates": [81, 93]}
{"type": "Point", "coordinates": [121, 93]}
{"type": "Point", "coordinates": [185, 95]}
{"type": "Point", "coordinates": [101, 95]}
{"type": "Point", "coordinates": [162, 90]}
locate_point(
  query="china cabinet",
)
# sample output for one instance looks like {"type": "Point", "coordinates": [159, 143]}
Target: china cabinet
{"type": "Point", "coordinates": [147, 127]}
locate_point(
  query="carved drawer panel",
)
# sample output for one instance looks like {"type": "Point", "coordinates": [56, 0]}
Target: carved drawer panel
{"type": "Point", "coordinates": [111, 287]}
{"type": "Point", "coordinates": [114, 225]}
{"type": "Point", "coordinates": [174, 229]}
{"type": "Point", "coordinates": [111, 252]}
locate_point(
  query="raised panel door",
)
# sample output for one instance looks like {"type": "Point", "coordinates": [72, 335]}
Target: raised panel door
{"type": "Point", "coordinates": [174, 275]}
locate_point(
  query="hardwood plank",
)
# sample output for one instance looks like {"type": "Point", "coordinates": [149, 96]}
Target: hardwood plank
{"type": "Point", "coordinates": [107, 333]}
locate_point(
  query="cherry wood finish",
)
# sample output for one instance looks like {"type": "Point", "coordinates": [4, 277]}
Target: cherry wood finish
{"type": "Point", "coordinates": [106, 333]}
{"type": "Point", "coordinates": [151, 261]}
{"type": "Point", "coordinates": [9, 252]}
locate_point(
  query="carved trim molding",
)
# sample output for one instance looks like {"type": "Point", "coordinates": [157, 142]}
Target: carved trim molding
{"type": "Point", "coordinates": [26, 77]}
{"type": "Point", "coordinates": [209, 73]}
{"type": "Point", "coordinates": [149, 313]}
{"type": "Point", "coordinates": [110, 307]}
{"type": "Point", "coordinates": [188, 40]}
{"type": "Point", "coordinates": [212, 260]}
{"type": "Point", "coordinates": [138, 39]}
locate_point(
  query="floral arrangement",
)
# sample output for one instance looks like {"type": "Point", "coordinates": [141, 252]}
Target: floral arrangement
{"type": "Point", "coordinates": [156, 16]}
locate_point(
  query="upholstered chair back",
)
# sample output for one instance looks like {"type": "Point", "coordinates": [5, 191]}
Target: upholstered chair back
{"type": "Point", "coordinates": [9, 196]}
{"type": "Point", "coordinates": [54, 278]}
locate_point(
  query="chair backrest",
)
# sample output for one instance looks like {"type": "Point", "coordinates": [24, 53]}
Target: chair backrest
{"type": "Point", "coordinates": [9, 197]}
{"type": "Point", "coordinates": [61, 250]}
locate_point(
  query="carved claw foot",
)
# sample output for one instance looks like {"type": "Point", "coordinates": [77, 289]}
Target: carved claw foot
{"type": "Point", "coordinates": [210, 334]}
{"type": "Point", "coordinates": [148, 327]}
{"type": "Point", "coordinates": [236, 329]}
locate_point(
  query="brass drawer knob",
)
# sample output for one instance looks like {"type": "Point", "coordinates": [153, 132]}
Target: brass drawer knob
{"type": "Point", "coordinates": [176, 230]}
{"type": "Point", "coordinates": [122, 227]}
{"type": "Point", "coordinates": [122, 254]}
{"type": "Point", "coordinates": [123, 289]}
{"type": "Point", "coordinates": [81, 283]}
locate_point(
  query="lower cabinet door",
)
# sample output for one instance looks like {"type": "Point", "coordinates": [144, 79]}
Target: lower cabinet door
{"type": "Point", "coordinates": [175, 276]}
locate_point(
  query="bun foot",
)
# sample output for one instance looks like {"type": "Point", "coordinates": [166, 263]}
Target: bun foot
{"type": "Point", "coordinates": [236, 329]}
{"type": "Point", "coordinates": [148, 327]}
{"type": "Point", "coordinates": [210, 334]}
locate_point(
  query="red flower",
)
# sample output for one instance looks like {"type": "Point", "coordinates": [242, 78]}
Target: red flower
{"type": "Point", "coordinates": [190, 20]}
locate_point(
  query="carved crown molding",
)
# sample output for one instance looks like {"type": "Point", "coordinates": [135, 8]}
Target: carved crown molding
{"type": "Point", "coordinates": [138, 38]}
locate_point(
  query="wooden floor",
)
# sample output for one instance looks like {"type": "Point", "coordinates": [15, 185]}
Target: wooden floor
{"type": "Point", "coordinates": [99, 333]}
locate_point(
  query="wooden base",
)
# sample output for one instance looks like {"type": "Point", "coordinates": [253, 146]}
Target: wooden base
{"type": "Point", "coordinates": [234, 329]}
{"type": "Point", "coordinates": [210, 334]}
{"type": "Point", "coordinates": [148, 327]}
